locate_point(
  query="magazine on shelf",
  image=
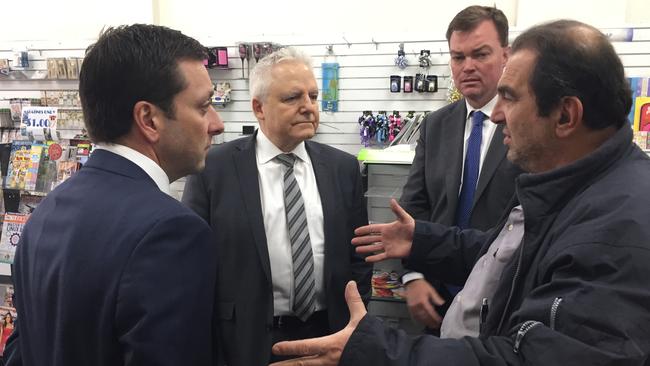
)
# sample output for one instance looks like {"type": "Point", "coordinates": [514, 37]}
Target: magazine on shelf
{"type": "Point", "coordinates": [31, 174]}
{"type": "Point", "coordinates": [12, 228]}
{"type": "Point", "coordinates": [46, 177]}
{"type": "Point", "coordinates": [19, 161]}
{"type": "Point", "coordinates": [28, 202]}
{"type": "Point", "coordinates": [7, 314]}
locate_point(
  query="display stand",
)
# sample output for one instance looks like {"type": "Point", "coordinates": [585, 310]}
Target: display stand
{"type": "Point", "coordinates": [387, 171]}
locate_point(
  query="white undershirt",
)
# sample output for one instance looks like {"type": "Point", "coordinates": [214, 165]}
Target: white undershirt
{"type": "Point", "coordinates": [149, 166]}
{"type": "Point", "coordinates": [271, 177]}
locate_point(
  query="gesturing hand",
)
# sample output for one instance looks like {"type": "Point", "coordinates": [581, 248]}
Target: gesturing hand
{"type": "Point", "coordinates": [392, 240]}
{"type": "Point", "coordinates": [324, 351]}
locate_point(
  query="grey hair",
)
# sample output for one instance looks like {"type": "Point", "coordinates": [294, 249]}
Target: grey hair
{"type": "Point", "coordinates": [258, 83]}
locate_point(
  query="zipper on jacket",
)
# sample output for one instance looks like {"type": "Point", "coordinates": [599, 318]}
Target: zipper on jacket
{"type": "Point", "coordinates": [528, 325]}
{"type": "Point", "coordinates": [512, 287]}
{"type": "Point", "coordinates": [554, 307]}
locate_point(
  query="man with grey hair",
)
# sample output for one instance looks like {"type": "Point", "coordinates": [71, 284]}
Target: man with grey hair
{"type": "Point", "coordinates": [284, 210]}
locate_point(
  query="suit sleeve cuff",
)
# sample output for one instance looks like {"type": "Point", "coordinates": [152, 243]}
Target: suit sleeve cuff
{"type": "Point", "coordinates": [420, 246]}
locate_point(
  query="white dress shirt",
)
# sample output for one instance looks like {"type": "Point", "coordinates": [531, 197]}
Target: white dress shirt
{"type": "Point", "coordinates": [149, 166]}
{"type": "Point", "coordinates": [271, 178]}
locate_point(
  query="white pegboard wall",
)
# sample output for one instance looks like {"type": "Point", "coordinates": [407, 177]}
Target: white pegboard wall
{"type": "Point", "coordinates": [366, 64]}
{"type": "Point", "coordinates": [364, 75]}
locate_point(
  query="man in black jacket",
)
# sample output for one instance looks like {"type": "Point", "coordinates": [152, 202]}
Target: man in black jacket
{"type": "Point", "coordinates": [570, 286]}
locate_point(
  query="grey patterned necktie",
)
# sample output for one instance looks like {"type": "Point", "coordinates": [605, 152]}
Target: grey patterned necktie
{"type": "Point", "coordinates": [303, 261]}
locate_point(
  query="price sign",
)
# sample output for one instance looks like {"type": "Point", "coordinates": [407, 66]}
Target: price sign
{"type": "Point", "coordinates": [39, 123]}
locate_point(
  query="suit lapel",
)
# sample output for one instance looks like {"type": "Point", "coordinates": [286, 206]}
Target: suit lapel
{"type": "Point", "coordinates": [246, 167]}
{"type": "Point", "coordinates": [454, 136]}
{"type": "Point", "coordinates": [495, 154]}
{"type": "Point", "coordinates": [322, 171]}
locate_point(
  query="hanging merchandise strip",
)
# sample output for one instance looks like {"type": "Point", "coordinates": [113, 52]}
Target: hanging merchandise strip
{"type": "Point", "coordinates": [330, 94]}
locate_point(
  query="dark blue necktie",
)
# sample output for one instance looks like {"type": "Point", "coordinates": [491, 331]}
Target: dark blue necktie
{"type": "Point", "coordinates": [470, 171]}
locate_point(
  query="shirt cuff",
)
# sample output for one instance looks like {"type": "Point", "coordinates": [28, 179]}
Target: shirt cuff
{"type": "Point", "coordinates": [411, 276]}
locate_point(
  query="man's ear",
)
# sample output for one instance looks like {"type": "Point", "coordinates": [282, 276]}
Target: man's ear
{"type": "Point", "coordinates": [568, 116]}
{"type": "Point", "coordinates": [506, 54]}
{"type": "Point", "coordinates": [148, 119]}
{"type": "Point", "coordinates": [257, 109]}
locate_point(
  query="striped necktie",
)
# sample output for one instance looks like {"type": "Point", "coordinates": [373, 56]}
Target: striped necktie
{"type": "Point", "coordinates": [303, 261]}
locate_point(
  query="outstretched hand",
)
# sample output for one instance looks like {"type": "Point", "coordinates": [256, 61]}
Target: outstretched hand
{"type": "Point", "coordinates": [392, 240]}
{"type": "Point", "coordinates": [324, 351]}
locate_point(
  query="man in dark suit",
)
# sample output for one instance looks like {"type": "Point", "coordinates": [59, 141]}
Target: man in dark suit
{"type": "Point", "coordinates": [111, 270]}
{"type": "Point", "coordinates": [248, 195]}
{"type": "Point", "coordinates": [450, 182]}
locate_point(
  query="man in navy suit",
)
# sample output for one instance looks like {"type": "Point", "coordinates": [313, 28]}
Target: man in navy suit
{"type": "Point", "coordinates": [242, 195]}
{"type": "Point", "coordinates": [112, 270]}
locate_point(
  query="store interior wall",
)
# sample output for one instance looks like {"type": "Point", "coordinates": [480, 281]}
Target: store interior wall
{"type": "Point", "coordinates": [365, 36]}
{"type": "Point", "coordinates": [231, 21]}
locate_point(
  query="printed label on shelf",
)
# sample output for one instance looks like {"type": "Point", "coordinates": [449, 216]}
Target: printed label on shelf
{"type": "Point", "coordinates": [39, 123]}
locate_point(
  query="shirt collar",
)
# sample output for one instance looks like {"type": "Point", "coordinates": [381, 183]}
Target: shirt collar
{"type": "Point", "coordinates": [267, 151]}
{"type": "Point", "coordinates": [486, 109]}
{"type": "Point", "coordinates": [150, 167]}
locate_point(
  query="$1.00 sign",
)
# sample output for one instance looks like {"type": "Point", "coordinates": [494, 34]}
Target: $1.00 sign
{"type": "Point", "coordinates": [38, 121]}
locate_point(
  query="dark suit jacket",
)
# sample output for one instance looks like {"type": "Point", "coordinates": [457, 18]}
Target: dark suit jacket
{"type": "Point", "coordinates": [431, 192]}
{"type": "Point", "coordinates": [227, 195]}
{"type": "Point", "coordinates": [112, 271]}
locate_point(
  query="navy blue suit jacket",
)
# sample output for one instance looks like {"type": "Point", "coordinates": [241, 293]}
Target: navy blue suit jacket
{"type": "Point", "coordinates": [112, 271]}
{"type": "Point", "coordinates": [227, 195]}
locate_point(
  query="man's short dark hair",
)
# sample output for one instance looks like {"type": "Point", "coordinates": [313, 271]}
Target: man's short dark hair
{"type": "Point", "coordinates": [576, 59]}
{"type": "Point", "coordinates": [128, 64]}
{"type": "Point", "coordinates": [470, 18]}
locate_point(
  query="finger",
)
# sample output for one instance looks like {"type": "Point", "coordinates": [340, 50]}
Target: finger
{"type": "Point", "coordinates": [377, 257]}
{"type": "Point", "coordinates": [314, 360]}
{"type": "Point", "coordinates": [364, 240]}
{"type": "Point", "coordinates": [369, 229]}
{"type": "Point", "coordinates": [435, 297]}
{"type": "Point", "coordinates": [400, 213]}
{"type": "Point", "coordinates": [372, 248]}
{"type": "Point", "coordinates": [429, 316]}
{"type": "Point", "coordinates": [355, 304]}
{"type": "Point", "coordinates": [303, 347]}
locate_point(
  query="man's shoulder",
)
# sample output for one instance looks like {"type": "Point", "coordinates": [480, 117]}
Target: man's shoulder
{"type": "Point", "coordinates": [218, 151]}
{"type": "Point", "coordinates": [452, 109]}
{"type": "Point", "coordinates": [330, 152]}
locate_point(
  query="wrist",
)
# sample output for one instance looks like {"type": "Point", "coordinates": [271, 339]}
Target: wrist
{"type": "Point", "coordinates": [411, 276]}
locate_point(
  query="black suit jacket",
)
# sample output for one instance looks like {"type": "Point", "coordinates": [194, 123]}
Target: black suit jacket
{"type": "Point", "coordinates": [112, 271]}
{"type": "Point", "coordinates": [227, 195]}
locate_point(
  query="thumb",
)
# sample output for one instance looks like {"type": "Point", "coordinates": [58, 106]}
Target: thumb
{"type": "Point", "coordinates": [400, 213]}
{"type": "Point", "coordinates": [355, 304]}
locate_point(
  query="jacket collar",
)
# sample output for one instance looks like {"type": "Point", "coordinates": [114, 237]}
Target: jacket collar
{"type": "Point", "coordinates": [546, 193]}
